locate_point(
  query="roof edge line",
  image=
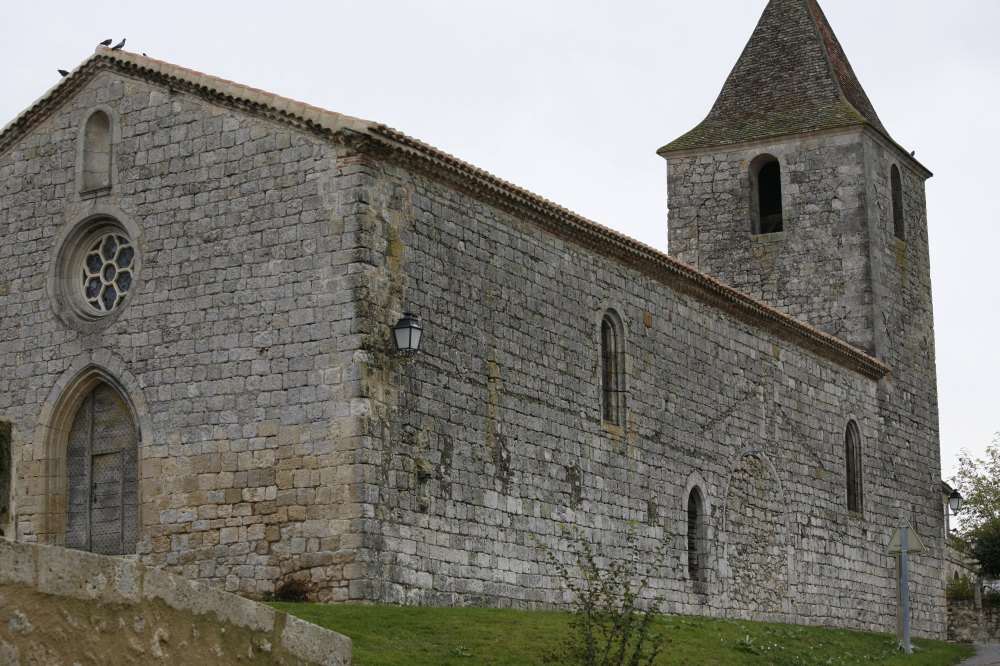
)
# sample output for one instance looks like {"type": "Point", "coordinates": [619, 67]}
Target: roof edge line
{"type": "Point", "coordinates": [554, 218]}
{"type": "Point", "coordinates": [638, 255]}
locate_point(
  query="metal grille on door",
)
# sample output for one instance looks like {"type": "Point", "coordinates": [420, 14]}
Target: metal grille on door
{"type": "Point", "coordinates": [102, 497]}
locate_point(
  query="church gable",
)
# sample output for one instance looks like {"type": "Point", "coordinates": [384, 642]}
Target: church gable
{"type": "Point", "coordinates": [201, 250]}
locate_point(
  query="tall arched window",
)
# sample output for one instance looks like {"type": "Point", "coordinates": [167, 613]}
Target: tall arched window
{"type": "Point", "coordinates": [6, 474]}
{"type": "Point", "coordinates": [852, 456]}
{"type": "Point", "coordinates": [102, 504]}
{"type": "Point", "coordinates": [97, 152]}
{"type": "Point", "coordinates": [612, 369]}
{"type": "Point", "coordinates": [896, 184]}
{"type": "Point", "coordinates": [765, 179]}
{"type": "Point", "coordinates": [695, 535]}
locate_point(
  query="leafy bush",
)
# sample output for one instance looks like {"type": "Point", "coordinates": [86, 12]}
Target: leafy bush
{"type": "Point", "coordinates": [609, 627]}
{"type": "Point", "coordinates": [984, 545]}
{"type": "Point", "coordinates": [959, 589]}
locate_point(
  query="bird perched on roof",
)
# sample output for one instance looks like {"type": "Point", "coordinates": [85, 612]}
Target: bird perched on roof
{"type": "Point", "coordinates": [63, 72]}
{"type": "Point", "coordinates": [118, 46]}
{"type": "Point", "coordinates": [107, 42]}
{"type": "Point", "coordinates": [912, 153]}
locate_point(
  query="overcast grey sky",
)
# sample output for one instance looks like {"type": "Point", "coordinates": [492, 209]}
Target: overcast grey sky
{"type": "Point", "coordinates": [571, 98]}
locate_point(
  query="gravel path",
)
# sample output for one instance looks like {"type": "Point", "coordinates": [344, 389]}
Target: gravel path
{"type": "Point", "coordinates": [987, 654]}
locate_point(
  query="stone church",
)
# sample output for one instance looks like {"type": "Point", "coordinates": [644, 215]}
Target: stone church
{"type": "Point", "coordinates": [201, 282]}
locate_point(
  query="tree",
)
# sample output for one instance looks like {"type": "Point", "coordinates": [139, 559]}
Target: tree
{"type": "Point", "coordinates": [984, 545]}
{"type": "Point", "coordinates": [978, 479]}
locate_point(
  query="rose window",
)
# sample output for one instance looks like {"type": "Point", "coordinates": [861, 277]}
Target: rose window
{"type": "Point", "coordinates": [108, 266]}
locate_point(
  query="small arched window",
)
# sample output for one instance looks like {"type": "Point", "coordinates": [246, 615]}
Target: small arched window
{"type": "Point", "coordinates": [97, 152]}
{"type": "Point", "coordinates": [896, 185]}
{"type": "Point", "coordinates": [612, 369]}
{"type": "Point", "coordinates": [852, 456]}
{"type": "Point", "coordinates": [765, 180]}
{"type": "Point", "coordinates": [695, 535]}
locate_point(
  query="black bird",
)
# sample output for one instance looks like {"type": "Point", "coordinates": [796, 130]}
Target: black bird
{"type": "Point", "coordinates": [107, 42]}
{"type": "Point", "coordinates": [118, 46]}
{"type": "Point", "coordinates": [63, 72]}
{"type": "Point", "coordinates": [912, 153]}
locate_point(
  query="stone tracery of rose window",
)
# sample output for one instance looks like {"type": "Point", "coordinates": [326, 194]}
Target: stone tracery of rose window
{"type": "Point", "coordinates": [107, 271]}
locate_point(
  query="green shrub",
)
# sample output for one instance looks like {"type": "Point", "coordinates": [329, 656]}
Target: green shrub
{"type": "Point", "coordinates": [959, 589]}
{"type": "Point", "coordinates": [609, 627]}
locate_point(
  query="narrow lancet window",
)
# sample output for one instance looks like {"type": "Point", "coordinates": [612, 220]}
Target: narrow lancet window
{"type": "Point", "coordinates": [612, 370]}
{"type": "Point", "coordinates": [695, 538]}
{"type": "Point", "coordinates": [6, 474]}
{"type": "Point", "coordinates": [97, 152]}
{"type": "Point", "coordinates": [896, 184]}
{"type": "Point", "coordinates": [766, 209]}
{"type": "Point", "coordinates": [852, 455]}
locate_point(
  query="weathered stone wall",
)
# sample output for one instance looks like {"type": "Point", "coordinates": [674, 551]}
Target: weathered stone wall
{"type": "Point", "coordinates": [234, 347]}
{"type": "Point", "coordinates": [904, 340]}
{"type": "Point", "coordinates": [968, 624]}
{"type": "Point", "coordinates": [838, 266]}
{"type": "Point", "coordinates": [492, 435]}
{"type": "Point", "coordinates": [816, 269]}
{"type": "Point", "coordinates": [65, 606]}
{"type": "Point", "coordinates": [282, 436]}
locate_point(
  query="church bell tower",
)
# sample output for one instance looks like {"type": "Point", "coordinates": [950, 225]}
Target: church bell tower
{"type": "Point", "coordinates": [793, 191]}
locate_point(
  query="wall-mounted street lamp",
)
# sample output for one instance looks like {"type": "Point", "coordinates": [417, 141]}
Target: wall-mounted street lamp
{"type": "Point", "coordinates": [407, 333]}
{"type": "Point", "coordinates": [955, 501]}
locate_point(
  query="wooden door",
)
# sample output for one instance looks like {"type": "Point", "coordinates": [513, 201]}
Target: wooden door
{"type": "Point", "coordinates": [102, 497]}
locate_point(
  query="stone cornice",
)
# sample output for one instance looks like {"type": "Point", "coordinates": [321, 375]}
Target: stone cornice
{"type": "Point", "coordinates": [677, 275]}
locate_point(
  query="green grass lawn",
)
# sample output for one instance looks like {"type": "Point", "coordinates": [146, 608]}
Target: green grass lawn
{"type": "Point", "coordinates": [411, 636]}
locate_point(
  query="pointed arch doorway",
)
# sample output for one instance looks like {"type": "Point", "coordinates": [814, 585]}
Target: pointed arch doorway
{"type": "Point", "coordinates": [101, 486]}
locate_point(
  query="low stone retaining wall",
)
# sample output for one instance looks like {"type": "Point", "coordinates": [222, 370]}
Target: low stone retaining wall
{"type": "Point", "coordinates": [968, 624]}
{"type": "Point", "coordinates": [63, 606]}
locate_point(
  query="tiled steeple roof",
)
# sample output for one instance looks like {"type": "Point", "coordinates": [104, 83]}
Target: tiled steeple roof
{"type": "Point", "coordinates": [792, 77]}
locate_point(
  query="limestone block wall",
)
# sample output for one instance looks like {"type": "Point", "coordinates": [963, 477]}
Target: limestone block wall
{"type": "Point", "coordinates": [491, 437]}
{"type": "Point", "coordinates": [837, 265]}
{"type": "Point", "coordinates": [968, 624]}
{"type": "Point", "coordinates": [904, 336]}
{"type": "Point", "coordinates": [817, 267]}
{"type": "Point", "coordinates": [234, 346]}
{"type": "Point", "coordinates": [60, 604]}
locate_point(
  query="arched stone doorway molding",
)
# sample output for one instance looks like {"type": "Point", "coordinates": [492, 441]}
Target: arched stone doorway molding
{"type": "Point", "coordinates": [755, 534]}
{"type": "Point", "coordinates": [93, 426]}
